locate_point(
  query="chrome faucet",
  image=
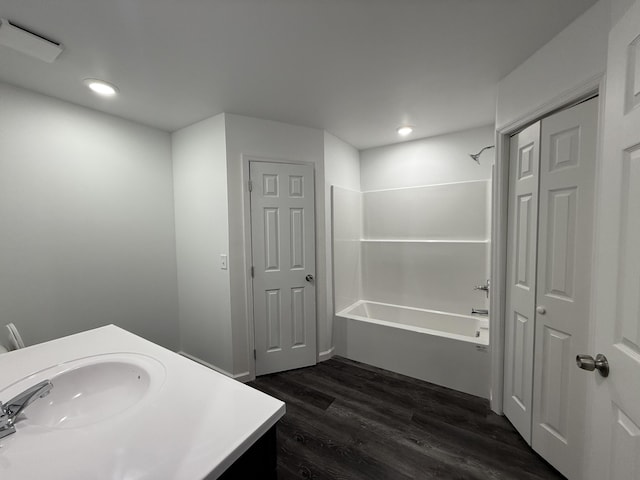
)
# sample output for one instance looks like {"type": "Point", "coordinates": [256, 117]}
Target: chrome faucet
{"type": "Point", "coordinates": [479, 311]}
{"type": "Point", "coordinates": [14, 407]}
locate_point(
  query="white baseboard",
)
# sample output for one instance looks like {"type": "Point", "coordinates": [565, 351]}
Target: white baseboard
{"type": "Point", "coordinates": [241, 377]}
{"type": "Point", "coordinates": [322, 356]}
{"type": "Point", "coordinates": [244, 377]}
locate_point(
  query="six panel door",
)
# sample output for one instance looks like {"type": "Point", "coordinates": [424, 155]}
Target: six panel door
{"type": "Point", "coordinates": [283, 257]}
{"type": "Point", "coordinates": [613, 430]}
{"type": "Point", "coordinates": [565, 233]}
{"type": "Point", "coordinates": [521, 278]}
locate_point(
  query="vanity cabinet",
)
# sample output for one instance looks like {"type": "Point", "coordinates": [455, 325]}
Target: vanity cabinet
{"type": "Point", "coordinates": [257, 462]}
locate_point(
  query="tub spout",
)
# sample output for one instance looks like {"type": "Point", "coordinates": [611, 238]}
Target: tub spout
{"type": "Point", "coordinates": [479, 311]}
{"type": "Point", "coordinates": [484, 288]}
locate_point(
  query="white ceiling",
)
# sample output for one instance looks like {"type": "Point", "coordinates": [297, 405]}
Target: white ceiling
{"type": "Point", "coordinates": [357, 68]}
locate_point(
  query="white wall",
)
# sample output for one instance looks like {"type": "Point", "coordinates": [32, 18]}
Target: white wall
{"type": "Point", "coordinates": [86, 215]}
{"type": "Point", "coordinates": [575, 56]}
{"type": "Point", "coordinates": [428, 161]}
{"type": "Point", "coordinates": [341, 169]}
{"type": "Point", "coordinates": [618, 9]}
{"type": "Point", "coordinates": [202, 234]}
{"type": "Point", "coordinates": [278, 141]}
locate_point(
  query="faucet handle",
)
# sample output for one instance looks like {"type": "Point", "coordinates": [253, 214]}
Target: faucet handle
{"type": "Point", "coordinates": [6, 420]}
{"type": "Point", "coordinates": [17, 404]}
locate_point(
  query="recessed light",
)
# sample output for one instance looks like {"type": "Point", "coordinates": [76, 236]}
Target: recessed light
{"type": "Point", "coordinates": [101, 87]}
{"type": "Point", "coordinates": [405, 130]}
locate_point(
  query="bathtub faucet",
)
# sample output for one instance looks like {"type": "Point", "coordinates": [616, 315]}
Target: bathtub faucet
{"type": "Point", "coordinates": [480, 311]}
{"type": "Point", "coordinates": [484, 288]}
{"type": "Point", "coordinates": [16, 405]}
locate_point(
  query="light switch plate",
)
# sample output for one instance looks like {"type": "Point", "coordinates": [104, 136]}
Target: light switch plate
{"type": "Point", "coordinates": [223, 261]}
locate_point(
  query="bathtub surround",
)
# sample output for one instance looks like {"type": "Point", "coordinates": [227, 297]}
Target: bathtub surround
{"type": "Point", "coordinates": [347, 248]}
{"type": "Point", "coordinates": [430, 262]}
{"type": "Point", "coordinates": [426, 222]}
{"type": "Point", "coordinates": [341, 168]}
{"type": "Point", "coordinates": [408, 248]}
{"type": "Point", "coordinates": [433, 275]}
{"type": "Point", "coordinates": [442, 212]}
{"type": "Point", "coordinates": [426, 246]}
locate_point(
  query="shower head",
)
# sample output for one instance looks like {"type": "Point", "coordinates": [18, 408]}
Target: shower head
{"type": "Point", "coordinates": [476, 156]}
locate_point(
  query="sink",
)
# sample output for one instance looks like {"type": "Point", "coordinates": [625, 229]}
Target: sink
{"type": "Point", "coordinates": [89, 390]}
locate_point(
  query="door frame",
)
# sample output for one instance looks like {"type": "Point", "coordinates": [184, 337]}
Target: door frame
{"type": "Point", "coordinates": [248, 247]}
{"type": "Point", "coordinates": [499, 221]}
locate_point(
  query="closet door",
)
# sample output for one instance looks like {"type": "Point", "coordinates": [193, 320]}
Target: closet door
{"type": "Point", "coordinates": [565, 234]}
{"type": "Point", "coordinates": [521, 278]}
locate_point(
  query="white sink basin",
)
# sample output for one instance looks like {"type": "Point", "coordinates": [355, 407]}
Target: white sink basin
{"type": "Point", "coordinates": [124, 427]}
{"type": "Point", "coordinates": [89, 390]}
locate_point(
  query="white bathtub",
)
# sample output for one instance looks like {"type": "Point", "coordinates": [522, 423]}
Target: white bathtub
{"type": "Point", "coordinates": [447, 349]}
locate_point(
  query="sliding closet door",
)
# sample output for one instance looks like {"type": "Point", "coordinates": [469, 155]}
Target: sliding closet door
{"type": "Point", "coordinates": [521, 278]}
{"type": "Point", "coordinates": [567, 173]}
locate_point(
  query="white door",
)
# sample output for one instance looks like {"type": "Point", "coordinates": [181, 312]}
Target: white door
{"type": "Point", "coordinates": [563, 291]}
{"type": "Point", "coordinates": [283, 251]}
{"type": "Point", "coordinates": [551, 209]}
{"type": "Point", "coordinates": [613, 426]}
{"type": "Point", "coordinates": [521, 278]}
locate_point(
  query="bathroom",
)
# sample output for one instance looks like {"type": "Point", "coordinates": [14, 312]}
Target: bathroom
{"type": "Point", "coordinates": [109, 220]}
{"type": "Point", "coordinates": [73, 235]}
{"type": "Point", "coordinates": [116, 211]}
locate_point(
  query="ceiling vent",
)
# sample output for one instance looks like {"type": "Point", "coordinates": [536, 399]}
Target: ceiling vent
{"type": "Point", "coordinates": [28, 42]}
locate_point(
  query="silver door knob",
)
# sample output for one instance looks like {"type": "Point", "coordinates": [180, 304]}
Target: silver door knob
{"type": "Point", "coordinates": [309, 278]}
{"type": "Point", "coordinates": [600, 363]}
{"type": "Point", "coordinates": [541, 310]}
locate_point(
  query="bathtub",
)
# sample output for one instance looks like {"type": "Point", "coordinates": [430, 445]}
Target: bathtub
{"type": "Point", "coordinates": [447, 349]}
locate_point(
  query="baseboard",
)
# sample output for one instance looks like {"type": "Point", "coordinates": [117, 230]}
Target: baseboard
{"type": "Point", "coordinates": [244, 377]}
{"type": "Point", "coordinates": [323, 356]}
{"type": "Point", "coordinates": [241, 377]}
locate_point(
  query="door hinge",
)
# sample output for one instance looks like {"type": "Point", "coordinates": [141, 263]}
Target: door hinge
{"type": "Point", "coordinates": [252, 271]}
{"type": "Point", "coordinates": [250, 184]}
{"type": "Point", "coordinates": [254, 354]}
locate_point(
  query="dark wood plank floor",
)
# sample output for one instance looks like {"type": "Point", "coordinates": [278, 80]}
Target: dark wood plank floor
{"type": "Point", "coordinates": [348, 420]}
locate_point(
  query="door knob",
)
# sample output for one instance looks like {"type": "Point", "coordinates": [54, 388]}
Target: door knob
{"type": "Point", "coordinates": [600, 363]}
{"type": "Point", "coordinates": [541, 310]}
{"type": "Point", "coordinates": [309, 278]}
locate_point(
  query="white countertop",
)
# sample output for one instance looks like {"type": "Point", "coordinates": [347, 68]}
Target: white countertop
{"type": "Point", "coordinates": [194, 427]}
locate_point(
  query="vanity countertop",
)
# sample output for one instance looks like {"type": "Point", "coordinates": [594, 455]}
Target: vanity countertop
{"type": "Point", "coordinates": [194, 426]}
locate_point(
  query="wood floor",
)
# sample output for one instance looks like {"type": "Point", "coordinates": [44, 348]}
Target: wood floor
{"type": "Point", "coordinates": [348, 420]}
